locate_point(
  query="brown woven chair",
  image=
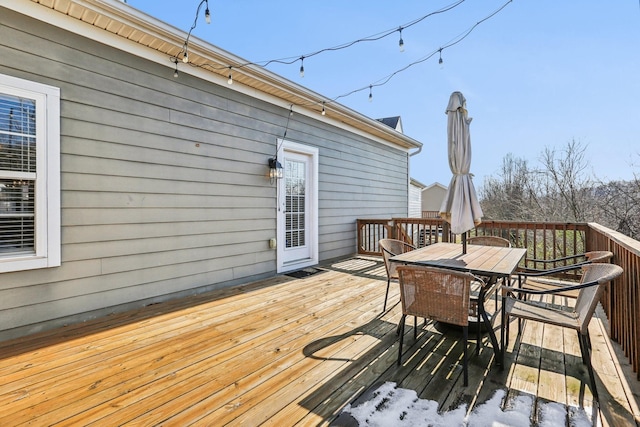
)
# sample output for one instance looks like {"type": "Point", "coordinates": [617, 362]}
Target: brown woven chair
{"type": "Point", "coordinates": [438, 294]}
{"type": "Point", "coordinates": [594, 278]}
{"type": "Point", "coordinates": [390, 248]}
{"type": "Point", "coordinates": [541, 280]}
{"type": "Point", "coordinates": [489, 241]}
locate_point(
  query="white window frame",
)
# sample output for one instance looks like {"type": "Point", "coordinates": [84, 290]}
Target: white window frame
{"type": "Point", "coordinates": [47, 183]}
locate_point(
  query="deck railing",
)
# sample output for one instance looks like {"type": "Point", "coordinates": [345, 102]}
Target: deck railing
{"type": "Point", "coordinates": [543, 241]}
{"type": "Point", "coordinates": [621, 300]}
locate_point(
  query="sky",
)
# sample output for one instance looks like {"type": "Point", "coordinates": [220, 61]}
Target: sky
{"type": "Point", "coordinates": [537, 74]}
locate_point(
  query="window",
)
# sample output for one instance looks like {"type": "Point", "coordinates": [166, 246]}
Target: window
{"type": "Point", "coordinates": [29, 175]}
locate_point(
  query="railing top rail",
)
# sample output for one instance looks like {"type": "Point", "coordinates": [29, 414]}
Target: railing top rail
{"type": "Point", "coordinates": [626, 242]}
{"type": "Point", "coordinates": [545, 223]}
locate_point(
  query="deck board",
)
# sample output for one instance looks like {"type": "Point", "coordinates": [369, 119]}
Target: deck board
{"type": "Point", "coordinates": [282, 351]}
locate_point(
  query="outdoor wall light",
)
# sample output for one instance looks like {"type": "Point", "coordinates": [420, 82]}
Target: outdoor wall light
{"type": "Point", "coordinates": [275, 169]}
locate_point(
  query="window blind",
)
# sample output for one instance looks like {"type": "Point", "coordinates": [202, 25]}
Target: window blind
{"type": "Point", "coordinates": [17, 174]}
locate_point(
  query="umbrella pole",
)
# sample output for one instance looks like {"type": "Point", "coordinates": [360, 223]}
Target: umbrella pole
{"type": "Point", "coordinates": [464, 242]}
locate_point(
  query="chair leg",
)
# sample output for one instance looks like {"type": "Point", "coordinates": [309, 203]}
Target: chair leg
{"type": "Point", "coordinates": [583, 350]}
{"type": "Point", "coordinates": [465, 335]}
{"type": "Point", "coordinates": [504, 328]}
{"type": "Point", "coordinates": [478, 327]}
{"type": "Point", "coordinates": [386, 295]}
{"type": "Point", "coordinates": [415, 328]}
{"type": "Point", "coordinates": [586, 356]}
{"type": "Point", "coordinates": [401, 326]}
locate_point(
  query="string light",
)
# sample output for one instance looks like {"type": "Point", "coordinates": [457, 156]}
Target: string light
{"type": "Point", "coordinates": [451, 43]}
{"type": "Point", "coordinates": [175, 73]}
{"type": "Point", "coordinates": [291, 60]}
{"type": "Point", "coordinates": [207, 18]}
{"type": "Point", "coordinates": [375, 37]}
{"type": "Point", "coordinates": [207, 14]}
{"type": "Point", "coordinates": [230, 81]}
{"type": "Point", "coordinates": [401, 42]}
{"type": "Point", "coordinates": [379, 82]}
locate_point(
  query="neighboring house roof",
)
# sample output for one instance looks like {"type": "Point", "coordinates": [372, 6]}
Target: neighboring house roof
{"type": "Point", "coordinates": [417, 183]}
{"type": "Point", "coordinates": [130, 29]}
{"type": "Point", "coordinates": [393, 122]}
{"type": "Point", "coordinates": [435, 184]}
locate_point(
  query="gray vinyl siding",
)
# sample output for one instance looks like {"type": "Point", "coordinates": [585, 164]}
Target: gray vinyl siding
{"type": "Point", "coordinates": [164, 181]}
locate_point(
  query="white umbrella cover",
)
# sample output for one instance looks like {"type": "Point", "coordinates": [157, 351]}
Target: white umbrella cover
{"type": "Point", "coordinates": [460, 206]}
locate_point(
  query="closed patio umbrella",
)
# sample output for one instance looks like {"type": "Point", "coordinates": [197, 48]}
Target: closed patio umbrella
{"type": "Point", "coordinates": [460, 206]}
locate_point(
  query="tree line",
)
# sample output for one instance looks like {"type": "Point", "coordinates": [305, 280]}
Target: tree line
{"type": "Point", "coordinates": [561, 188]}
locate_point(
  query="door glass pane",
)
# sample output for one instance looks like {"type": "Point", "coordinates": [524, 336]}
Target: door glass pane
{"type": "Point", "coordinates": [295, 183]}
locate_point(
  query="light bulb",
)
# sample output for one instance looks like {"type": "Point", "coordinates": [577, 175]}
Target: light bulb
{"type": "Point", "coordinates": [323, 110]}
{"type": "Point", "coordinates": [302, 71]}
{"type": "Point", "coordinates": [440, 61]}
{"type": "Point", "coordinates": [230, 81]}
{"type": "Point", "coordinates": [401, 44]}
{"type": "Point", "coordinates": [185, 58]}
{"type": "Point", "coordinates": [207, 16]}
{"type": "Point", "coordinates": [370, 94]}
{"type": "Point", "coordinates": [175, 73]}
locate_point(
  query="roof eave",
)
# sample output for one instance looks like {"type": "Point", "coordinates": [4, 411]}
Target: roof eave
{"type": "Point", "coordinates": [125, 21]}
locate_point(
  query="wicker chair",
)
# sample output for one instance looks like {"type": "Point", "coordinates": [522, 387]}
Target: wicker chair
{"type": "Point", "coordinates": [594, 278]}
{"type": "Point", "coordinates": [437, 294]}
{"type": "Point", "coordinates": [390, 248]}
{"type": "Point", "coordinates": [541, 280]}
{"type": "Point", "coordinates": [489, 241]}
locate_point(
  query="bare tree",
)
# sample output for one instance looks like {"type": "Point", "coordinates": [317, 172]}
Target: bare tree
{"type": "Point", "coordinates": [619, 205]}
{"type": "Point", "coordinates": [560, 190]}
{"type": "Point", "coordinates": [504, 197]}
{"type": "Point", "coordinates": [568, 189]}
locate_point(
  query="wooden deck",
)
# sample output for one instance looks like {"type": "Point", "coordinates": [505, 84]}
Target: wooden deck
{"type": "Point", "coordinates": [283, 351]}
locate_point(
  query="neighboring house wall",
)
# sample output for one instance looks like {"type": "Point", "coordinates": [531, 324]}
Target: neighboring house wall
{"type": "Point", "coordinates": [415, 199]}
{"type": "Point", "coordinates": [432, 197]}
{"type": "Point", "coordinates": [164, 186]}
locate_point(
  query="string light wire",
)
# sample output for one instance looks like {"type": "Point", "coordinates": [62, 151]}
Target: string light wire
{"type": "Point", "coordinates": [185, 47]}
{"type": "Point", "coordinates": [293, 59]}
{"type": "Point", "coordinates": [380, 82]}
{"type": "Point", "coordinates": [371, 38]}
{"type": "Point", "coordinates": [384, 80]}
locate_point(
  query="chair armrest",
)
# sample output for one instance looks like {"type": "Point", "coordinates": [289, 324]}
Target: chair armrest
{"type": "Point", "coordinates": [559, 289]}
{"type": "Point", "coordinates": [549, 261]}
{"type": "Point", "coordinates": [535, 273]}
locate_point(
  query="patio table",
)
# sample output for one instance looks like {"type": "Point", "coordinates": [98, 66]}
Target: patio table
{"type": "Point", "coordinates": [497, 263]}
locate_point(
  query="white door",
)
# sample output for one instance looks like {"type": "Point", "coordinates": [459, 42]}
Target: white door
{"type": "Point", "coordinates": [297, 208]}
